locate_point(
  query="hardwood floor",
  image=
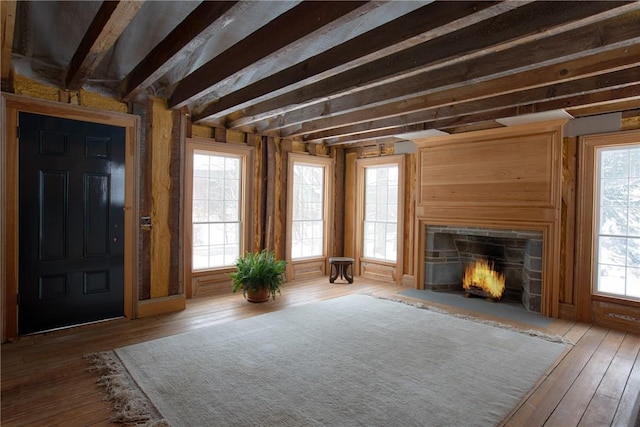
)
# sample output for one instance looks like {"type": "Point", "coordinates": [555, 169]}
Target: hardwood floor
{"type": "Point", "coordinates": [46, 381]}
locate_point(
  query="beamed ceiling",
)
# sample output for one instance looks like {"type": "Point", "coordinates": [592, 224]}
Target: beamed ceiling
{"type": "Point", "coordinates": [337, 72]}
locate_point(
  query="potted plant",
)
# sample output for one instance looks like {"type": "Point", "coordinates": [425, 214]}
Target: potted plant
{"type": "Point", "coordinates": [259, 274]}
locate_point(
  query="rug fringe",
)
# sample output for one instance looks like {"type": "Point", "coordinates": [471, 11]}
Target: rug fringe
{"type": "Point", "coordinates": [130, 404]}
{"type": "Point", "coordinates": [530, 332]}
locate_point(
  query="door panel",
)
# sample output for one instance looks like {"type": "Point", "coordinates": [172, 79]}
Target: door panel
{"type": "Point", "coordinates": [71, 199]}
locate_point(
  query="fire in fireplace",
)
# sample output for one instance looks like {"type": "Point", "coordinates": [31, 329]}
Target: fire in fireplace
{"type": "Point", "coordinates": [481, 279]}
{"type": "Point", "coordinates": [515, 254]}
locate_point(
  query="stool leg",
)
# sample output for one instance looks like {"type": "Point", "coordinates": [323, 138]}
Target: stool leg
{"type": "Point", "coordinates": [347, 274]}
{"type": "Point", "coordinates": [332, 268]}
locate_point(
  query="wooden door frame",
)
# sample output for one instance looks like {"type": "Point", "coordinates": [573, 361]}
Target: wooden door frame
{"type": "Point", "coordinates": [11, 106]}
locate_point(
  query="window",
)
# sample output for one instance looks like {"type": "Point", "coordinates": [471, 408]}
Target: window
{"type": "Point", "coordinates": [217, 192]}
{"type": "Point", "coordinates": [618, 221]}
{"type": "Point", "coordinates": [380, 233]}
{"type": "Point", "coordinates": [216, 210]}
{"type": "Point", "coordinates": [309, 190]}
{"type": "Point", "coordinates": [308, 211]}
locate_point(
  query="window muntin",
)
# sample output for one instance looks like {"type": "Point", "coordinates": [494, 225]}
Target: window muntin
{"type": "Point", "coordinates": [618, 221]}
{"type": "Point", "coordinates": [307, 225]}
{"type": "Point", "coordinates": [216, 210]}
{"type": "Point", "coordinates": [380, 231]}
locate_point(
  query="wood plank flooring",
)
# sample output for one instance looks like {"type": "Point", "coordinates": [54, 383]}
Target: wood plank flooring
{"type": "Point", "coordinates": [46, 382]}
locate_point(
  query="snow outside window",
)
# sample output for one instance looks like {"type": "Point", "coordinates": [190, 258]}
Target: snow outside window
{"type": "Point", "coordinates": [307, 233]}
{"type": "Point", "coordinates": [618, 223]}
{"type": "Point", "coordinates": [380, 236]}
{"type": "Point", "coordinates": [216, 210]}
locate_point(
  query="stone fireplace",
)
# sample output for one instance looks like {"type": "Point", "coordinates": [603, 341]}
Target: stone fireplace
{"type": "Point", "coordinates": [516, 254]}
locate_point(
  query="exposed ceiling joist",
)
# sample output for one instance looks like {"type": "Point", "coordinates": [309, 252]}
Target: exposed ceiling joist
{"type": "Point", "coordinates": [425, 23]}
{"type": "Point", "coordinates": [198, 27]}
{"type": "Point", "coordinates": [459, 70]}
{"type": "Point", "coordinates": [109, 23]}
{"type": "Point", "coordinates": [8, 24]}
{"type": "Point", "coordinates": [282, 31]}
{"type": "Point", "coordinates": [345, 73]}
{"type": "Point", "coordinates": [627, 78]}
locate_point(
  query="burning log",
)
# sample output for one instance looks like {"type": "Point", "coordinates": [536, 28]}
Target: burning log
{"type": "Point", "coordinates": [481, 279]}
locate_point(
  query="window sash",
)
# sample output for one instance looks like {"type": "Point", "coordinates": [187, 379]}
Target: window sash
{"type": "Point", "coordinates": [308, 211]}
{"type": "Point", "coordinates": [617, 237]}
{"type": "Point", "coordinates": [216, 210]}
{"type": "Point", "coordinates": [380, 228]}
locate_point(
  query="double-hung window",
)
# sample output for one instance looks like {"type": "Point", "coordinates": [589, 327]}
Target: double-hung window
{"type": "Point", "coordinates": [308, 211]}
{"type": "Point", "coordinates": [309, 193]}
{"type": "Point", "coordinates": [618, 221]}
{"type": "Point", "coordinates": [217, 203]}
{"type": "Point", "coordinates": [380, 233]}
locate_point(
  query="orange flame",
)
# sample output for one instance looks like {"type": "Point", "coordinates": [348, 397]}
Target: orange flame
{"type": "Point", "coordinates": [482, 276]}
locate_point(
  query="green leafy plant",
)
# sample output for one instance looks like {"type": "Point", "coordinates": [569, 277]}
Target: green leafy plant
{"type": "Point", "coordinates": [258, 270]}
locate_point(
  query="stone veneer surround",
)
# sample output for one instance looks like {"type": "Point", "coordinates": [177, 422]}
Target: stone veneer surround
{"type": "Point", "coordinates": [515, 253]}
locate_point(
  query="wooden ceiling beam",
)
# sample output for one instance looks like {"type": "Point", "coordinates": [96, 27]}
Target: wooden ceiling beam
{"type": "Point", "coordinates": [461, 81]}
{"type": "Point", "coordinates": [606, 106]}
{"type": "Point", "coordinates": [428, 22]}
{"type": "Point", "coordinates": [573, 88]}
{"type": "Point", "coordinates": [108, 24]}
{"type": "Point", "coordinates": [615, 99]}
{"type": "Point", "coordinates": [604, 62]}
{"type": "Point", "coordinates": [298, 22]}
{"type": "Point", "coordinates": [497, 112]}
{"type": "Point", "coordinates": [546, 31]}
{"type": "Point", "coordinates": [8, 9]}
{"type": "Point", "coordinates": [195, 30]}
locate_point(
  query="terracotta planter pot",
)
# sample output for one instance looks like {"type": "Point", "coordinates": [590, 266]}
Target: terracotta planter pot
{"type": "Point", "coordinates": [261, 295]}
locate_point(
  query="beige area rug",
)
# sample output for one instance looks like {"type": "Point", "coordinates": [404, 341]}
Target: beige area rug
{"type": "Point", "coordinates": [349, 361]}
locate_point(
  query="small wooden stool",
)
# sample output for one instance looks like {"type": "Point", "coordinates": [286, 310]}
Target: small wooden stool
{"type": "Point", "coordinates": [340, 266]}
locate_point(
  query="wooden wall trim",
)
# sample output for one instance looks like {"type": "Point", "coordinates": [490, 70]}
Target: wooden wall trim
{"type": "Point", "coordinates": [155, 306]}
{"type": "Point", "coordinates": [586, 310]}
{"type": "Point", "coordinates": [11, 106]}
{"type": "Point", "coordinates": [143, 109]}
{"type": "Point", "coordinates": [349, 201]}
{"type": "Point", "coordinates": [317, 266]}
{"type": "Point", "coordinates": [376, 269]}
{"type": "Point", "coordinates": [248, 198]}
{"type": "Point", "coordinates": [569, 156]}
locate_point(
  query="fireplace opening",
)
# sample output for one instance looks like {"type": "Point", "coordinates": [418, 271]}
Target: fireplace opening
{"type": "Point", "coordinates": [514, 257]}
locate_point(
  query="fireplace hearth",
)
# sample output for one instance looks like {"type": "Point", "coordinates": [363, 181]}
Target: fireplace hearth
{"type": "Point", "coordinates": [515, 254]}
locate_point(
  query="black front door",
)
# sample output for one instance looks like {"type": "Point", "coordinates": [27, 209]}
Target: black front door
{"type": "Point", "coordinates": [71, 222]}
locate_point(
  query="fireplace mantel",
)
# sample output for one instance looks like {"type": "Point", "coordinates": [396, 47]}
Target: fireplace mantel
{"type": "Point", "coordinates": [507, 178]}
